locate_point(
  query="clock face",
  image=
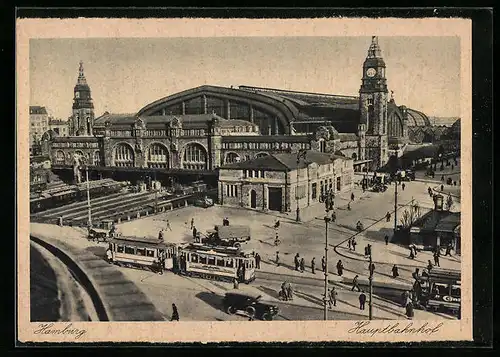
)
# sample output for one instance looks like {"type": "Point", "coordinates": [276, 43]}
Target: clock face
{"type": "Point", "coordinates": [371, 72]}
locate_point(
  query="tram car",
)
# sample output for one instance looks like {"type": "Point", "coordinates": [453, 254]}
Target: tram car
{"type": "Point", "coordinates": [440, 290]}
{"type": "Point", "coordinates": [216, 263]}
{"type": "Point", "coordinates": [142, 253]}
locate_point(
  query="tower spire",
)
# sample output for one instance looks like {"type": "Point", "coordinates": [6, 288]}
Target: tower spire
{"type": "Point", "coordinates": [81, 75]}
{"type": "Point", "coordinates": [374, 50]}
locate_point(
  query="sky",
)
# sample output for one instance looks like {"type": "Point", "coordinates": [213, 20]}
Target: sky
{"type": "Point", "coordinates": [125, 74]}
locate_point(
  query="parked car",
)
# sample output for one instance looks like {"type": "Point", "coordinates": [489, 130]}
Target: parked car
{"type": "Point", "coordinates": [379, 187]}
{"type": "Point", "coordinates": [250, 304]}
{"type": "Point", "coordinates": [204, 202]}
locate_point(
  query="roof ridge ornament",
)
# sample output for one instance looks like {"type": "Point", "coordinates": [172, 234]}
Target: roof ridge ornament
{"type": "Point", "coordinates": [81, 74]}
{"type": "Point", "coordinates": [374, 51]}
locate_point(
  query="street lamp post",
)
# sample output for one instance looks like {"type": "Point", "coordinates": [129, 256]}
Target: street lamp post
{"type": "Point", "coordinates": [328, 198]}
{"type": "Point", "coordinates": [156, 194]}
{"type": "Point", "coordinates": [297, 218]}
{"type": "Point", "coordinates": [370, 279]}
{"type": "Point", "coordinates": [395, 206]}
{"type": "Point", "coordinates": [88, 197]}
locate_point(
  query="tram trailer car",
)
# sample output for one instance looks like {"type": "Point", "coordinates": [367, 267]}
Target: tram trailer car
{"type": "Point", "coordinates": [142, 253]}
{"type": "Point", "coordinates": [216, 263]}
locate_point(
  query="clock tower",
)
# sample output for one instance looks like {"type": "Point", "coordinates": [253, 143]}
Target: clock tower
{"type": "Point", "coordinates": [82, 120]}
{"type": "Point", "coordinates": [373, 106]}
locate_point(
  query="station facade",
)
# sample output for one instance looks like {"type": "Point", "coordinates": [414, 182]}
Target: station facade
{"type": "Point", "coordinates": [203, 128]}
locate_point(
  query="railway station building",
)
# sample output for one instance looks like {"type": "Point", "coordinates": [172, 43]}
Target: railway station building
{"type": "Point", "coordinates": [198, 130]}
{"type": "Point", "coordinates": [280, 182]}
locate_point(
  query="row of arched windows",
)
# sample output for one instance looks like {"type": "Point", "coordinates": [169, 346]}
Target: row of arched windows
{"type": "Point", "coordinates": [232, 157]}
{"type": "Point", "coordinates": [91, 158]}
{"type": "Point", "coordinates": [194, 158]}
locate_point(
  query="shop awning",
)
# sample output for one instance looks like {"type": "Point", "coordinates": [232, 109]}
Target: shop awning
{"type": "Point", "coordinates": [361, 162]}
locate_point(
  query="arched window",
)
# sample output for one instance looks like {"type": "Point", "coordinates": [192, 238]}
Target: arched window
{"type": "Point", "coordinates": [261, 154]}
{"type": "Point", "coordinates": [157, 156]}
{"type": "Point", "coordinates": [322, 145]}
{"type": "Point", "coordinates": [81, 156]}
{"type": "Point", "coordinates": [232, 157]}
{"type": "Point", "coordinates": [97, 158]}
{"type": "Point", "coordinates": [123, 156]}
{"type": "Point", "coordinates": [60, 157]}
{"type": "Point", "coordinates": [195, 157]}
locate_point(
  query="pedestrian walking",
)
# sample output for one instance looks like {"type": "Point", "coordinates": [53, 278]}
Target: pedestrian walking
{"type": "Point", "coordinates": [289, 291]}
{"type": "Point", "coordinates": [386, 238]}
{"type": "Point", "coordinates": [371, 268]}
{"type": "Point", "coordinates": [236, 284]}
{"type": "Point", "coordinates": [355, 283]}
{"type": "Point", "coordinates": [448, 250]}
{"type": "Point", "coordinates": [109, 255]}
{"type": "Point", "coordinates": [333, 297]}
{"type": "Point", "coordinates": [296, 260]}
{"type": "Point", "coordinates": [160, 235]}
{"type": "Point", "coordinates": [403, 186]}
{"type": "Point", "coordinates": [277, 259]}
{"type": "Point", "coordinates": [349, 206]}
{"type": "Point", "coordinates": [323, 264]}
{"type": "Point", "coordinates": [388, 217]}
{"type": "Point", "coordinates": [195, 231]}
{"type": "Point", "coordinates": [425, 274]}
{"type": "Point", "coordinates": [334, 217]}
{"type": "Point", "coordinates": [257, 261]}
{"type": "Point", "coordinates": [302, 265]}
{"type": "Point", "coordinates": [414, 249]}
{"type": "Point", "coordinates": [283, 293]}
{"type": "Point", "coordinates": [442, 178]}
{"type": "Point", "coordinates": [362, 300]}
{"type": "Point", "coordinates": [412, 256]}
{"type": "Point", "coordinates": [349, 243]}
{"type": "Point", "coordinates": [369, 247]}
{"type": "Point", "coordinates": [395, 271]}
{"type": "Point", "coordinates": [366, 251]}
{"type": "Point", "coordinates": [353, 243]}
{"type": "Point", "coordinates": [429, 265]}
{"type": "Point", "coordinates": [175, 313]}
{"type": "Point", "coordinates": [409, 310]}
{"type": "Point", "coordinates": [454, 183]}
{"type": "Point", "coordinates": [313, 265]}
{"type": "Point", "coordinates": [416, 274]}
{"type": "Point", "coordinates": [442, 187]}
{"type": "Point", "coordinates": [340, 268]}
{"type": "Point", "coordinates": [168, 225]}
{"type": "Point", "coordinates": [429, 190]}
{"type": "Point", "coordinates": [352, 196]}
{"type": "Point", "coordinates": [192, 223]}
{"type": "Point", "coordinates": [436, 258]}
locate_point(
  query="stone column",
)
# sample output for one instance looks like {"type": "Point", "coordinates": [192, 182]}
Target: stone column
{"type": "Point", "coordinates": [251, 114]}
{"type": "Point", "coordinates": [276, 126]}
{"type": "Point", "coordinates": [163, 111]}
{"type": "Point", "coordinates": [228, 109]}
{"type": "Point", "coordinates": [183, 108]}
{"type": "Point", "coordinates": [205, 105]}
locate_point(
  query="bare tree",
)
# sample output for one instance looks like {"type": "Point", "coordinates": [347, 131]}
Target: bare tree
{"type": "Point", "coordinates": [410, 215]}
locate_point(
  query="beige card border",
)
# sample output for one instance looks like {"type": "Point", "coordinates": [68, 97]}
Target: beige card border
{"type": "Point", "coordinates": [239, 331]}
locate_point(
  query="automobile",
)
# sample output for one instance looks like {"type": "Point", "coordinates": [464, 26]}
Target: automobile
{"type": "Point", "coordinates": [230, 236]}
{"type": "Point", "coordinates": [250, 304]}
{"type": "Point", "coordinates": [379, 187]}
{"type": "Point", "coordinates": [204, 202]}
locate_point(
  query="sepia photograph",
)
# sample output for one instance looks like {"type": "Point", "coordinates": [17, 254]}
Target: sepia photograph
{"type": "Point", "coordinates": [238, 178]}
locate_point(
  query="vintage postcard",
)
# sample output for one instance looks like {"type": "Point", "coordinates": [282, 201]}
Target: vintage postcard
{"type": "Point", "coordinates": [243, 180]}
